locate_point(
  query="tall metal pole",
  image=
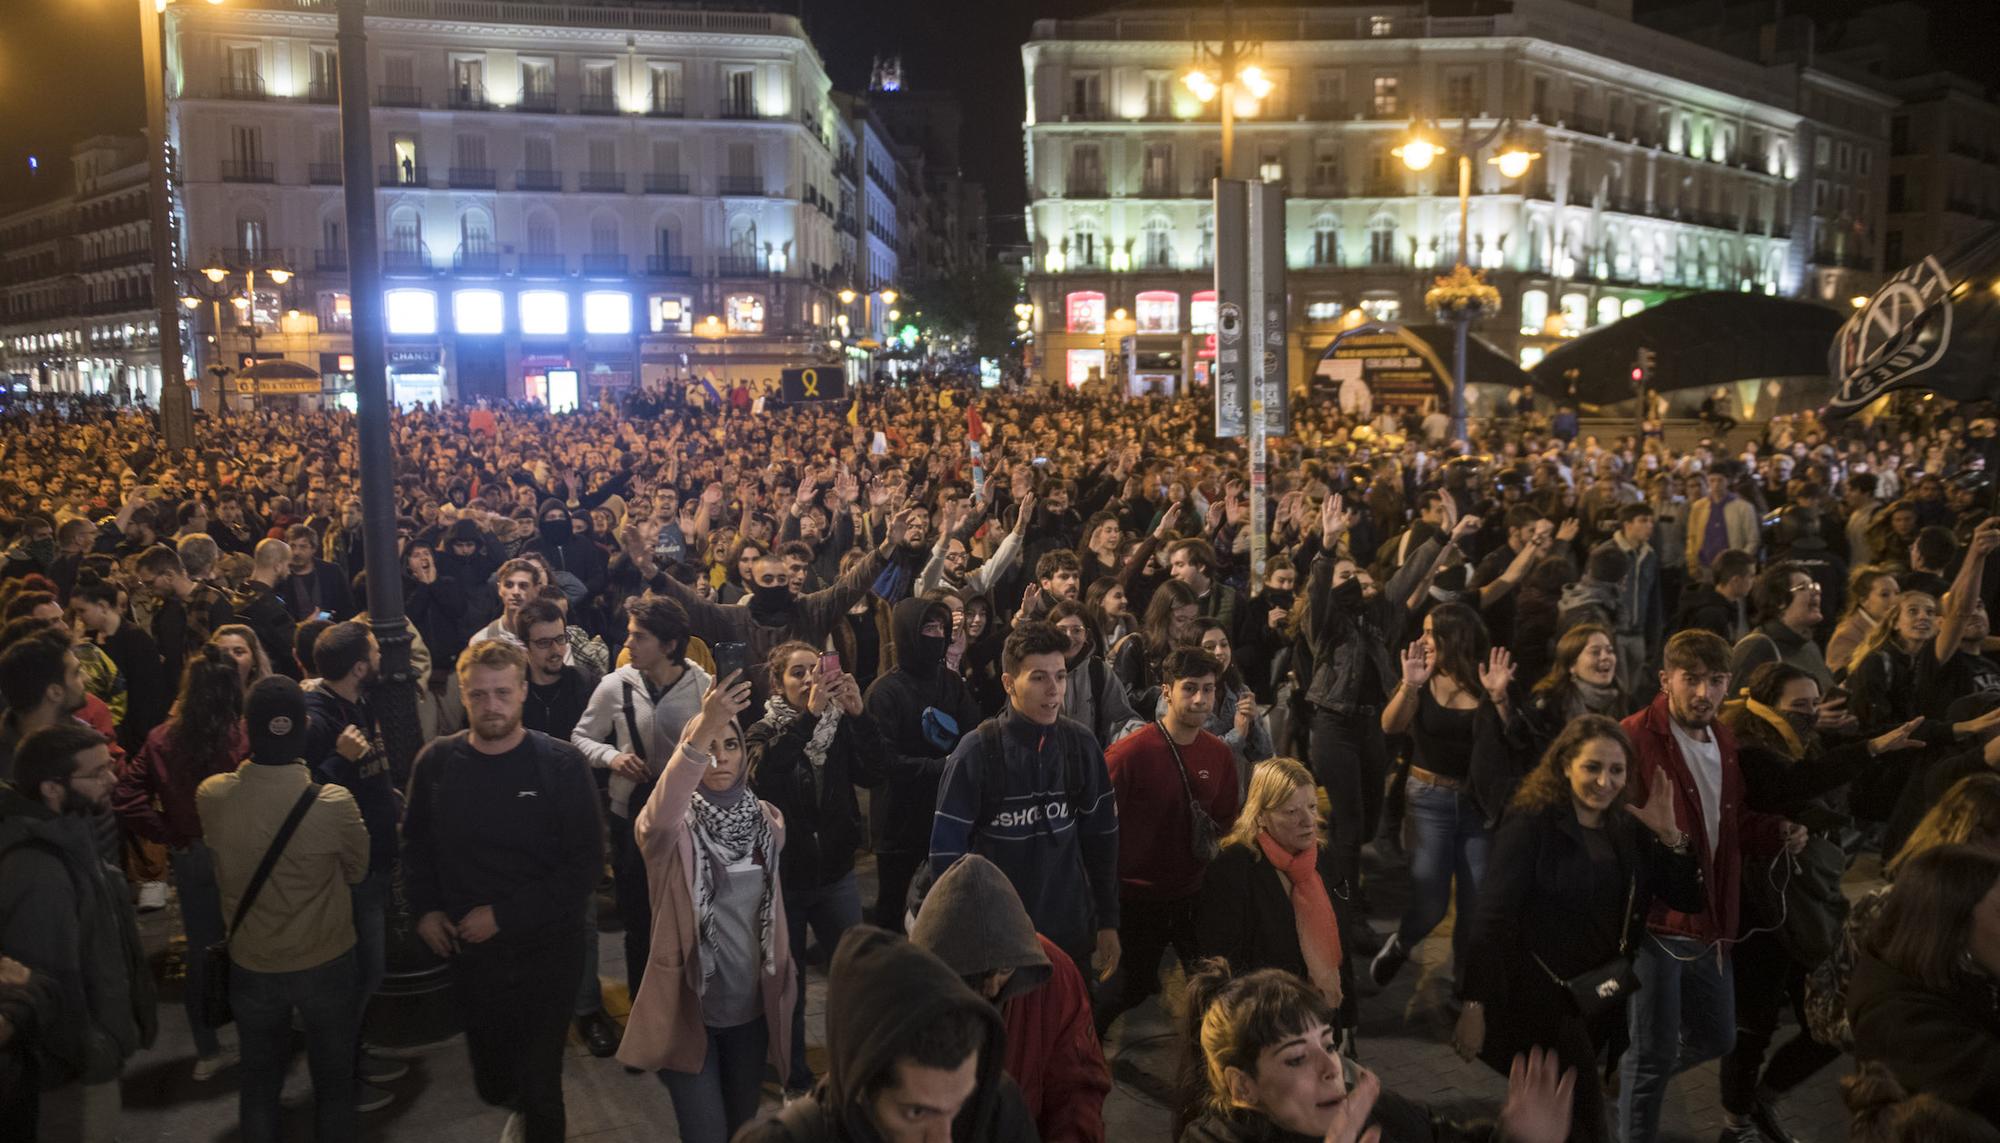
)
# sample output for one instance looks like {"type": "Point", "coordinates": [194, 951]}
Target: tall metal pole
{"type": "Point", "coordinates": [1228, 96]}
{"type": "Point", "coordinates": [1259, 349]}
{"type": "Point", "coordinates": [396, 701]}
{"type": "Point", "coordinates": [176, 406]}
{"type": "Point", "coordinates": [1464, 318]}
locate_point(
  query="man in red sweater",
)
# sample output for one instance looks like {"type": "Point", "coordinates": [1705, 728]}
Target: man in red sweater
{"type": "Point", "coordinates": [973, 921]}
{"type": "Point", "coordinates": [1159, 774]}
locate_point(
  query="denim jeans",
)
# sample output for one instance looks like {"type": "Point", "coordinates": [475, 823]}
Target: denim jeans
{"type": "Point", "coordinates": [831, 910]}
{"type": "Point", "coordinates": [1449, 843]}
{"type": "Point", "coordinates": [1684, 1014]}
{"type": "Point", "coordinates": [589, 989]}
{"type": "Point", "coordinates": [201, 921]}
{"type": "Point", "coordinates": [326, 1000]}
{"type": "Point", "coordinates": [712, 1103]}
{"type": "Point", "coordinates": [371, 910]}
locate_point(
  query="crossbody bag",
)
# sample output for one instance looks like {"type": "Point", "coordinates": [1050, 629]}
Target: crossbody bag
{"type": "Point", "coordinates": [215, 1007]}
{"type": "Point", "coordinates": [1597, 990]}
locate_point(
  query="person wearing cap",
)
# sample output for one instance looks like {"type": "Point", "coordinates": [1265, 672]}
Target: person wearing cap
{"type": "Point", "coordinates": [974, 922]}
{"type": "Point", "coordinates": [294, 951]}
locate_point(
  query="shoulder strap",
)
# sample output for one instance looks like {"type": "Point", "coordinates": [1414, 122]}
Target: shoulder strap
{"type": "Point", "coordinates": [632, 724]}
{"type": "Point", "coordinates": [1180, 765]}
{"type": "Point", "coordinates": [306, 798]}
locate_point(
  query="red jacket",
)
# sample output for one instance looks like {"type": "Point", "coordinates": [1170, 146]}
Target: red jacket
{"type": "Point", "coordinates": [1155, 860]}
{"type": "Point", "coordinates": [155, 797]}
{"type": "Point", "coordinates": [1053, 1055]}
{"type": "Point", "coordinates": [1740, 833]}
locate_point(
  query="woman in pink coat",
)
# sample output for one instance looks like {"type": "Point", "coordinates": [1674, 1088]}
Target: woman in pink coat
{"type": "Point", "coordinates": [716, 1001]}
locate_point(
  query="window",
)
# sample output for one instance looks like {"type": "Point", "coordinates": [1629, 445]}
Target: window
{"type": "Point", "coordinates": [538, 81]}
{"type": "Point", "coordinates": [1085, 310]}
{"type": "Point", "coordinates": [1899, 135]}
{"type": "Point", "coordinates": [403, 155]}
{"type": "Point", "coordinates": [607, 312]}
{"type": "Point", "coordinates": [1158, 311]}
{"type": "Point", "coordinates": [468, 79]}
{"type": "Point", "coordinates": [1159, 94]}
{"type": "Point", "coordinates": [538, 154]}
{"type": "Point", "coordinates": [250, 234]}
{"type": "Point", "coordinates": [666, 157]}
{"type": "Point", "coordinates": [744, 313]}
{"type": "Point", "coordinates": [544, 313]}
{"type": "Point", "coordinates": [1323, 309]}
{"type": "Point", "coordinates": [478, 312]}
{"type": "Point", "coordinates": [1085, 95]}
{"type": "Point", "coordinates": [1822, 152]}
{"type": "Point", "coordinates": [1082, 366]}
{"type": "Point", "coordinates": [1843, 157]}
{"type": "Point", "coordinates": [1086, 169]}
{"type": "Point", "coordinates": [468, 152]}
{"type": "Point", "coordinates": [475, 233]}
{"type": "Point", "coordinates": [1461, 94]}
{"type": "Point", "coordinates": [597, 78]}
{"type": "Point", "coordinates": [743, 238]}
{"type": "Point", "coordinates": [1575, 314]}
{"type": "Point", "coordinates": [1085, 247]}
{"type": "Point", "coordinates": [1381, 26]}
{"type": "Point", "coordinates": [246, 145]}
{"type": "Point", "coordinates": [742, 160]}
{"type": "Point", "coordinates": [604, 235]}
{"type": "Point", "coordinates": [1201, 312]}
{"type": "Point", "coordinates": [603, 155]}
{"type": "Point", "coordinates": [1534, 310]}
{"type": "Point", "coordinates": [1157, 174]}
{"type": "Point", "coordinates": [1326, 169]}
{"type": "Point", "coordinates": [1864, 161]}
{"type": "Point", "coordinates": [411, 313]}
{"type": "Point", "coordinates": [325, 72]}
{"type": "Point", "coordinates": [1382, 307]}
{"type": "Point", "coordinates": [1892, 249]}
{"type": "Point", "coordinates": [1387, 103]}
{"type": "Point", "coordinates": [664, 85]}
{"type": "Point", "coordinates": [669, 313]}
{"type": "Point", "coordinates": [332, 236]}
{"type": "Point", "coordinates": [1607, 311]}
{"type": "Point", "coordinates": [1330, 92]}
{"type": "Point", "coordinates": [326, 148]}
{"type": "Point", "coordinates": [244, 73]}
{"type": "Point", "coordinates": [1271, 163]}
{"type": "Point", "coordinates": [406, 230]}
{"type": "Point", "coordinates": [1326, 241]}
{"type": "Point", "coordinates": [1382, 241]}
{"type": "Point", "coordinates": [401, 71]}
{"type": "Point", "coordinates": [739, 88]}
{"type": "Point", "coordinates": [1158, 252]}
{"type": "Point", "coordinates": [336, 310]}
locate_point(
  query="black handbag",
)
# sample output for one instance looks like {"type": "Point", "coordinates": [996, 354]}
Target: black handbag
{"type": "Point", "coordinates": [1205, 837]}
{"type": "Point", "coordinates": [215, 1008]}
{"type": "Point", "coordinates": [1597, 990]}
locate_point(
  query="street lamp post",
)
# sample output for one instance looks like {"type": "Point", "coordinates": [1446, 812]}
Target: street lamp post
{"type": "Point", "coordinates": [1232, 77]}
{"type": "Point", "coordinates": [847, 297]}
{"type": "Point", "coordinates": [216, 276]}
{"type": "Point", "coordinates": [1418, 153]}
{"type": "Point", "coordinates": [176, 404]}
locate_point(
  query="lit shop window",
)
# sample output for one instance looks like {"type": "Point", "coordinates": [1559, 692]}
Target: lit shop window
{"type": "Point", "coordinates": [1086, 312]}
{"type": "Point", "coordinates": [744, 313]}
{"type": "Point", "coordinates": [607, 312]}
{"type": "Point", "coordinates": [1159, 311]}
{"type": "Point", "coordinates": [411, 312]}
{"type": "Point", "coordinates": [1201, 312]}
{"type": "Point", "coordinates": [479, 311]}
{"type": "Point", "coordinates": [545, 313]}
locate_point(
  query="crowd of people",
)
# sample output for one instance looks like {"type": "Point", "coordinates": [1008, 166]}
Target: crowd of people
{"type": "Point", "coordinates": [1628, 712]}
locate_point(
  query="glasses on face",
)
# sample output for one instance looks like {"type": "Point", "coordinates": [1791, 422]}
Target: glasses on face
{"type": "Point", "coordinates": [548, 644]}
{"type": "Point", "coordinates": [1811, 587]}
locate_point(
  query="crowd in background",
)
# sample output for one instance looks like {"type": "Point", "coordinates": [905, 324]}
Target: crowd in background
{"type": "Point", "coordinates": [1628, 712]}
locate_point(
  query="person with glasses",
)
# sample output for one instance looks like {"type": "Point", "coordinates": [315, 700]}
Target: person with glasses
{"type": "Point", "coordinates": [1786, 601]}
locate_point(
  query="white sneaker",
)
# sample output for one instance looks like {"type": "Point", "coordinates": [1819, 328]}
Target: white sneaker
{"type": "Point", "coordinates": [152, 896]}
{"type": "Point", "coordinates": [516, 1130]}
{"type": "Point", "coordinates": [208, 1067]}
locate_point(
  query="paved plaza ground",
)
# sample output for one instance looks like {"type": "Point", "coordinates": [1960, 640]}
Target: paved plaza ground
{"type": "Point", "coordinates": [1404, 1037]}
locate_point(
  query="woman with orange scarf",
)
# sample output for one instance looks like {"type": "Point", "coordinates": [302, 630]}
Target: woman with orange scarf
{"type": "Point", "coordinates": [1262, 902]}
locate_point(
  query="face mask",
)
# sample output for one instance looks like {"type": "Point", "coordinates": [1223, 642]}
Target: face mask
{"type": "Point", "coordinates": [931, 649]}
{"type": "Point", "coordinates": [777, 597]}
{"type": "Point", "coordinates": [41, 551]}
{"type": "Point", "coordinates": [1802, 723]}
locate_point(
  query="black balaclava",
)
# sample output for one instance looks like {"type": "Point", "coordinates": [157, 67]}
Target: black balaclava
{"type": "Point", "coordinates": [554, 533]}
{"type": "Point", "coordinates": [770, 606]}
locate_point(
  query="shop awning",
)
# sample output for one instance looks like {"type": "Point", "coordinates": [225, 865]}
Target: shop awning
{"type": "Point", "coordinates": [1699, 342]}
{"type": "Point", "coordinates": [278, 378]}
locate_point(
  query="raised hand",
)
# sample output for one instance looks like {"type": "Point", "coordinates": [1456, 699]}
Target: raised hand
{"type": "Point", "coordinates": [1334, 519]}
{"type": "Point", "coordinates": [1027, 513]}
{"type": "Point", "coordinates": [1568, 529]}
{"type": "Point", "coordinates": [1466, 528]}
{"type": "Point", "coordinates": [1538, 1106]}
{"type": "Point", "coordinates": [1417, 664]}
{"type": "Point", "coordinates": [1986, 538]}
{"type": "Point", "coordinates": [1834, 715]}
{"type": "Point", "coordinates": [1497, 674]}
{"type": "Point", "coordinates": [1903, 737]}
{"type": "Point", "coordinates": [1659, 814]}
{"type": "Point", "coordinates": [723, 702]}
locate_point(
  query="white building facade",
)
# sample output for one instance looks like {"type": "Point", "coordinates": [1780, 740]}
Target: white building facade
{"type": "Point", "coordinates": [76, 289]}
{"type": "Point", "coordinates": [1664, 168]}
{"type": "Point", "coordinates": [566, 206]}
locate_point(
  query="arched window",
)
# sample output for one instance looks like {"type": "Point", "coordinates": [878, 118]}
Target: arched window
{"type": "Point", "coordinates": [1158, 251]}
{"type": "Point", "coordinates": [1538, 245]}
{"type": "Point", "coordinates": [1326, 241]}
{"type": "Point", "coordinates": [250, 234]}
{"type": "Point", "coordinates": [743, 238]}
{"type": "Point", "coordinates": [1534, 310]}
{"type": "Point", "coordinates": [1086, 245]}
{"type": "Point", "coordinates": [406, 230]}
{"type": "Point", "coordinates": [541, 233]}
{"type": "Point", "coordinates": [1382, 241]}
{"type": "Point", "coordinates": [603, 234]}
{"type": "Point", "coordinates": [1607, 310]}
{"type": "Point", "coordinates": [475, 232]}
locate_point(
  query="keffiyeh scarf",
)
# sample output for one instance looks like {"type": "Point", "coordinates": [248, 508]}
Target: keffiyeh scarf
{"type": "Point", "coordinates": [726, 831]}
{"type": "Point", "coordinates": [781, 714]}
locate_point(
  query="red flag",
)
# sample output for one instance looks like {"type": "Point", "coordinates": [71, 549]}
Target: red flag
{"type": "Point", "coordinates": [975, 429]}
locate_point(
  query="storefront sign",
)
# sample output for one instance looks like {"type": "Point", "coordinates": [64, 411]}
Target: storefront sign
{"type": "Point", "coordinates": [1397, 366]}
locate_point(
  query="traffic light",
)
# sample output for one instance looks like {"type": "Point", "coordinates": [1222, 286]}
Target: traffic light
{"type": "Point", "coordinates": [1642, 366]}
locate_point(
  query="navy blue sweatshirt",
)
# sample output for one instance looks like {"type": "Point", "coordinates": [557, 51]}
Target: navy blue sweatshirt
{"type": "Point", "coordinates": [374, 790]}
{"type": "Point", "coordinates": [1045, 815]}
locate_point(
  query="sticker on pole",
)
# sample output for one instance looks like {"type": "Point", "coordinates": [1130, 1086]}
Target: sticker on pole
{"type": "Point", "coordinates": [1229, 322]}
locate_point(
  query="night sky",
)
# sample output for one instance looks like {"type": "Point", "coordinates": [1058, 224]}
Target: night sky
{"type": "Point", "coordinates": [53, 92]}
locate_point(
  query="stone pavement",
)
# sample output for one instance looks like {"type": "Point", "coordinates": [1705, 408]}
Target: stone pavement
{"type": "Point", "coordinates": [1404, 1037]}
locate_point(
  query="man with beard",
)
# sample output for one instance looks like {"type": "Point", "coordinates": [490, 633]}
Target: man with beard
{"type": "Point", "coordinates": [774, 614]}
{"type": "Point", "coordinates": [343, 745]}
{"type": "Point", "coordinates": [42, 683]}
{"type": "Point", "coordinates": [67, 916]}
{"type": "Point", "coordinates": [314, 586]}
{"type": "Point", "coordinates": [951, 560]}
{"type": "Point", "coordinates": [921, 709]}
{"type": "Point", "coordinates": [1685, 1011]}
{"type": "Point", "coordinates": [189, 609]}
{"type": "Point", "coordinates": [259, 605]}
{"type": "Point", "coordinates": [501, 850]}
{"type": "Point", "coordinates": [229, 529]}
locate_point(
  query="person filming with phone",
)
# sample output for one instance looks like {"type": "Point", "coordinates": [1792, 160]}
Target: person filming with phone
{"type": "Point", "coordinates": [814, 744]}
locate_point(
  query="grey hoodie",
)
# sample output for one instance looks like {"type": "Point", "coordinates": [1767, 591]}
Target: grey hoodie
{"type": "Point", "coordinates": [974, 922]}
{"type": "Point", "coordinates": [604, 732]}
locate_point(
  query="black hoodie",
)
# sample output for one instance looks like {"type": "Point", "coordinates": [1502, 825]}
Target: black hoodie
{"type": "Point", "coordinates": [917, 745]}
{"type": "Point", "coordinates": [882, 990]}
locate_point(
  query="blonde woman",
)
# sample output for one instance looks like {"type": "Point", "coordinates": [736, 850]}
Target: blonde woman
{"type": "Point", "coordinates": [1262, 902]}
{"type": "Point", "coordinates": [1871, 592]}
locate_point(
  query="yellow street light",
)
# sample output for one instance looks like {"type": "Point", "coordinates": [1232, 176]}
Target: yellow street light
{"type": "Point", "coordinates": [1201, 85]}
{"type": "Point", "coordinates": [889, 297]}
{"type": "Point", "coordinates": [280, 276]}
{"type": "Point", "coordinates": [847, 297]}
{"type": "Point", "coordinates": [1858, 300]}
{"type": "Point", "coordinates": [215, 274]}
{"type": "Point", "coordinates": [1255, 81]}
{"type": "Point", "coordinates": [192, 303]}
{"type": "Point", "coordinates": [895, 314]}
{"type": "Point", "coordinates": [1419, 153]}
{"type": "Point", "coordinates": [1514, 161]}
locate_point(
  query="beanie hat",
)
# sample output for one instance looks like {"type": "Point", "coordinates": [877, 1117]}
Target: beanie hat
{"type": "Point", "coordinates": [276, 713]}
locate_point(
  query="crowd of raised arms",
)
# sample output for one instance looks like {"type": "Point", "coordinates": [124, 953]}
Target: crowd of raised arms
{"type": "Point", "coordinates": [1632, 711]}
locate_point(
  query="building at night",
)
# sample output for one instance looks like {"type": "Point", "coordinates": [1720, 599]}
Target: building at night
{"type": "Point", "coordinates": [567, 206]}
{"type": "Point", "coordinates": [1665, 167]}
{"type": "Point", "coordinates": [76, 284]}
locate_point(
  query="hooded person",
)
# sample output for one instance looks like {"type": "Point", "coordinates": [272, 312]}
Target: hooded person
{"type": "Point", "coordinates": [974, 922]}
{"type": "Point", "coordinates": [910, 1049]}
{"type": "Point", "coordinates": [1594, 598]}
{"type": "Point", "coordinates": [920, 710]}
